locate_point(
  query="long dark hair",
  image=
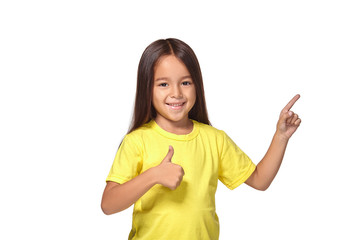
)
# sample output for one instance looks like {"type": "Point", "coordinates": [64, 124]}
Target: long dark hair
{"type": "Point", "coordinates": [144, 110]}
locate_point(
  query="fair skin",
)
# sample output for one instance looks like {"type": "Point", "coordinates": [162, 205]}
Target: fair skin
{"type": "Point", "coordinates": [173, 97]}
{"type": "Point", "coordinates": [268, 167]}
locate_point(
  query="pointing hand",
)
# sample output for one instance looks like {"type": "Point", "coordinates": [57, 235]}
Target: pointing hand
{"type": "Point", "coordinates": [288, 121]}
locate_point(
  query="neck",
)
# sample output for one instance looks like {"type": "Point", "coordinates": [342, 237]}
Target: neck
{"type": "Point", "coordinates": [181, 127]}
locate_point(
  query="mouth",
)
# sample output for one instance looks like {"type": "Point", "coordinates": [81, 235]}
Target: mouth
{"type": "Point", "coordinates": [175, 106]}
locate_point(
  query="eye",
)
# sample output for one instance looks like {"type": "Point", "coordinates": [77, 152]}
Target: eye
{"type": "Point", "coordinates": [163, 84]}
{"type": "Point", "coordinates": [186, 83]}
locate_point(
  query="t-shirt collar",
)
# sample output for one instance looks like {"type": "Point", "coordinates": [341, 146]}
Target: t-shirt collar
{"type": "Point", "coordinates": [185, 137]}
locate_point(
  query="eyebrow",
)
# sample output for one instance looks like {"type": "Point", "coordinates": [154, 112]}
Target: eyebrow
{"type": "Point", "coordinates": [165, 78]}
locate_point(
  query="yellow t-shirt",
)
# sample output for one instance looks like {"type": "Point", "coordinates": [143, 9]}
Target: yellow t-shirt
{"type": "Point", "coordinates": [206, 155]}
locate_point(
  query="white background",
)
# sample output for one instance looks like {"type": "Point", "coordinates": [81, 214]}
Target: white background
{"type": "Point", "coordinates": [68, 77]}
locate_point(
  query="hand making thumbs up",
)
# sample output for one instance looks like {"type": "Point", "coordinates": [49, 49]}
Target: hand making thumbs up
{"type": "Point", "coordinates": [169, 174]}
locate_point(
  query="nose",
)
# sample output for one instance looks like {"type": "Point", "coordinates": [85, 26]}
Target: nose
{"type": "Point", "coordinates": [176, 92]}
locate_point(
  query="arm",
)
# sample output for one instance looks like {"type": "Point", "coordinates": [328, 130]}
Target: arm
{"type": "Point", "coordinates": [268, 167]}
{"type": "Point", "coordinates": [118, 197]}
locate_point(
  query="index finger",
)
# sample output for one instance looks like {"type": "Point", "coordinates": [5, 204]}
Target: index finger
{"type": "Point", "coordinates": [291, 103]}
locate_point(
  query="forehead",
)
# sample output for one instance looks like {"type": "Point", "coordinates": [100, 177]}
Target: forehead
{"type": "Point", "coordinates": [170, 65]}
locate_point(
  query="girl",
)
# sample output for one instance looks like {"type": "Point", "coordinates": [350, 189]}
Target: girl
{"type": "Point", "coordinates": [170, 161]}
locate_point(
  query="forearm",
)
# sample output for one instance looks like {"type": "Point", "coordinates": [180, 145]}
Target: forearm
{"type": "Point", "coordinates": [268, 167]}
{"type": "Point", "coordinates": [118, 197]}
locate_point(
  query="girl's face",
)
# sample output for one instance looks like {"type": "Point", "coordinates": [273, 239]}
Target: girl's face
{"type": "Point", "coordinates": [173, 93]}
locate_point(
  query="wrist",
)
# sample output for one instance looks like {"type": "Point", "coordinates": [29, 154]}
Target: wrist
{"type": "Point", "coordinates": [153, 175]}
{"type": "Point", "coordinates": [282, 137]}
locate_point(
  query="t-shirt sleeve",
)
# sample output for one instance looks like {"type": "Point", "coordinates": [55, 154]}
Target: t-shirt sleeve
{"type": "Point", "coordinates": [128, 161]}
{"type": "Point", "coordinates": [235, 167]}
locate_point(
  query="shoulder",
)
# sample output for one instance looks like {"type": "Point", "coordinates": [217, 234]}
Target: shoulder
{"type": "Point", "coordinates": [208, 128]}
{"type": "Point", "coordinates": [139, 131]}
{"type": "Point", "coordinates": [210, 131]}
{"type": "Point", "coordinates": [137, 136]}
{"type": "Point", "coordinates": [220, 136]}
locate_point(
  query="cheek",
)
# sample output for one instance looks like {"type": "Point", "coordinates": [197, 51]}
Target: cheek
{"type": "Point", "coordinates": [192, 97]}
{"type": "Point", "coordinates": [157, 98]}
{"type": "Point", "coordinates": [154, 99]}
{"type": "Point", "coordinates": [155, 95]}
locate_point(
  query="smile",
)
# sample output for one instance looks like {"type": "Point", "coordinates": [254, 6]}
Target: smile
{"type": "Point", "coordinates": [175, 106]}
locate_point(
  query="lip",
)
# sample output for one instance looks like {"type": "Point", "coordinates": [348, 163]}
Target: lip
{"type": "Point", "coordinates": [176, 106]}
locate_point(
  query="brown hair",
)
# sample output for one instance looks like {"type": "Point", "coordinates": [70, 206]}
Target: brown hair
{"type": "Point", "coordinates": [144, 110]}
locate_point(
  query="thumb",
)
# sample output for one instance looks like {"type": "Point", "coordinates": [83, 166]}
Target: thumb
{"type": "Point", "coordinates": [169, 155]}
{"type": "Point", "coordinates": [285, 115]}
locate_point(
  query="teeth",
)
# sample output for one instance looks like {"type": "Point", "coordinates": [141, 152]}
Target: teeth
{"type": "Point", "coordinates": [175, 105]}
